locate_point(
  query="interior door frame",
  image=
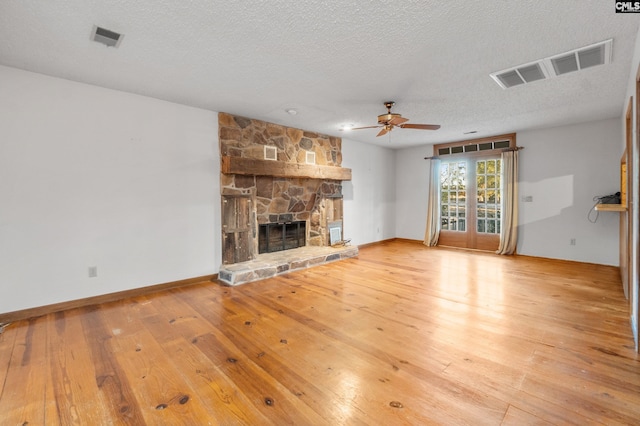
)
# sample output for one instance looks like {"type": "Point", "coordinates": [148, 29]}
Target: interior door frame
{"type": "Point", "coordinates": [626, 217]}
{"type": "Point", "coordinates": [632, 203]}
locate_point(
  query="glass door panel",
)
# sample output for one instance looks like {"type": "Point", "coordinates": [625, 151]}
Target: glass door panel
{"type": "Point", "coordinates": [453, 185]}
{"type": "Point", "coordinates": [488, 196]}
{"type": "Point", "coordinates": [470, 222]}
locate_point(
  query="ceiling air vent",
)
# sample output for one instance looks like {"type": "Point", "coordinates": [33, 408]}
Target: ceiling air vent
{"type": "Point", "coordinates": [520, 75]}
{"type": "Point", "coordinates": [107, 37]}
{"type": "Point", "coordinates": [553, 66]}
{"type": "Point", "coordinates": [579, 59]}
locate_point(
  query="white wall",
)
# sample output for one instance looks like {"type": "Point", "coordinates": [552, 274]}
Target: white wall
{"type": "Point", "coordinates": [562, 168]}
{"type": "Point", "coordinates": [412, 191]}
{"type": "Point", "coordinates": [369, 198]}
{"type": "Point", "coordinates": [96, 177]}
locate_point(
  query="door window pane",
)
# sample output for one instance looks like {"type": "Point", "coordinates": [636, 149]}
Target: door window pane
{"type": "Point", "coordinates": [453, 183]}
{"type": "Point", "coordinates": [453, 186]}
{"type": "Point", "coordinates": [488, 196]}
{"type": "Point", "coordinates": [491, 181]}
{"type": "Point", "coordinates": [480, 167]}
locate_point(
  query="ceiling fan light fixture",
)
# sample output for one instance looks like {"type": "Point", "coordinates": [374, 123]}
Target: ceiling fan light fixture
{"type": "Point", "coordinates": [386, 118]}
{"type": "Point", "coordinates": [346, 127]}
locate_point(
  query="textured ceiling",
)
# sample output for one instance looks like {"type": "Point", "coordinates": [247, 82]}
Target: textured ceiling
{"type": "Point", "coordinates": [335, 61]}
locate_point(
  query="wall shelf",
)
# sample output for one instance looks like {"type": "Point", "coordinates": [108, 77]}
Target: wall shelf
{"type": "Point", "coordinates": [611, 208]}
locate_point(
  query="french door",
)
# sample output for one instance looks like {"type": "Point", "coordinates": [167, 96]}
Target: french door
{"type": "Point", "coordinates": [470, 195]}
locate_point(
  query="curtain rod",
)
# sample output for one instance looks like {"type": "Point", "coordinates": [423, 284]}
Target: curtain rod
{"type": "Point", "coordinates": [517, 148]}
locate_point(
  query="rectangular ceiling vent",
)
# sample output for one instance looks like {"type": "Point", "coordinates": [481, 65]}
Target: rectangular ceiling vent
{"type": "Point", "coordinates": [579, 59]}
{"type": "Point", "coordinates": [107, 37]}
{"type": "Point", "coordinates": [553, 66]}
{"type": "Point", "coordinates": [522, 74]}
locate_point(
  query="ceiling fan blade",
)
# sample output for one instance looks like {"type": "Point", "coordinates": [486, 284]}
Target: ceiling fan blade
{"type": "Point", "coordinates": [398, 120]}
{"type": "Point", "coordinates": [384, 131]}
{"type": "Point", "coordinates": [420, 126]}
{"type": "Point", "coordinates": [360, 128]}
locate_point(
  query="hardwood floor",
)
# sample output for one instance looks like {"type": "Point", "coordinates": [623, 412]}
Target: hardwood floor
{"type": "Point", "coordinates": [404, 334]}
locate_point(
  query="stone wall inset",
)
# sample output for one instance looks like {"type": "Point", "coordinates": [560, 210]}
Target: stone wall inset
{"type": "Point", "coordinates": [246, 137]}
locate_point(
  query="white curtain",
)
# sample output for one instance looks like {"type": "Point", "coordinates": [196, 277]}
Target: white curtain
{"type": "Point", "coordinates": [509, 223]}
{"type": "Point", "coordinates": [433, 208]}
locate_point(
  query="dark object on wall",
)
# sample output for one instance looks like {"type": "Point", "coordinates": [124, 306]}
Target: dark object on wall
{"type": "Point", "coordinates": [610, 199]}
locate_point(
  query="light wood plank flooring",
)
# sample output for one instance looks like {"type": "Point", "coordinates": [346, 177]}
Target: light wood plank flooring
{"type": "Point", "coordinates": [404, 334]}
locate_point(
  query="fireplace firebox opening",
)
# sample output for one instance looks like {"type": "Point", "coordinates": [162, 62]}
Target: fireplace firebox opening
{"type": "Point", "coordinates": [281, 236]}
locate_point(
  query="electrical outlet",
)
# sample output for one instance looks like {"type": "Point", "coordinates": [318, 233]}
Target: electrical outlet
{"type": "Point", "coordinates": [528, 198]}
{"type": "Point", "coordinates": [93, 271]}
{"type": "Point", "coordinates": [572, 242]}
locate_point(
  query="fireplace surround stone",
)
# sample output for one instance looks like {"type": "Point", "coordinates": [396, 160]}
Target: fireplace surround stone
{"type": "Point", "coordinates": [261, 191]}
{"type": "Point", "coordinates": [253, 199]}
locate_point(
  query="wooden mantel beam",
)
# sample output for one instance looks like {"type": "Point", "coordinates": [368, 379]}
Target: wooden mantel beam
{"type": "Point", "coordinates": [255, 167]}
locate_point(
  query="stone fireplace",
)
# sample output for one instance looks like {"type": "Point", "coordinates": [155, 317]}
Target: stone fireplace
{"type": "Point", "coordinates": [272, 177]}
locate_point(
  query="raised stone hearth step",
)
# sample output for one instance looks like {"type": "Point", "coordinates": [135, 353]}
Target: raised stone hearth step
{"type": "Point", "coordinates": [271, 264]}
